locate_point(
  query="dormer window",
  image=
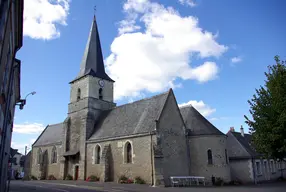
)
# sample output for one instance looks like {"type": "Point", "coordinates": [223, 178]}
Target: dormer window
{"type": "Point", "coordinates": [100, 93]}
{"type": "Point", "coordinates": [78, 94]}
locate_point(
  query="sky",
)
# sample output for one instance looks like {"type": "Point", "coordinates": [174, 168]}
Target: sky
{"type": "Point", "coordinates": [212, 53]}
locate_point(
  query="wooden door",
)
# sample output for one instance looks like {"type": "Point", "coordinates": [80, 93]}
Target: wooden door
{"type": "Point", "coordinates": [76, 173]}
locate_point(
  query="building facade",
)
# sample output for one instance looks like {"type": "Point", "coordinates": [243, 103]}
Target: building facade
{"type": "Point", "coordinates": [248, 166]}
{"type": "Point", "coordinates": [152, 138]}
{"type": "Point", "coordinates": [11, 30]}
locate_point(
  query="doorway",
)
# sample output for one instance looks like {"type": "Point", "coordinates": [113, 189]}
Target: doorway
{"type": "Point", "coordinates": [76, 169]}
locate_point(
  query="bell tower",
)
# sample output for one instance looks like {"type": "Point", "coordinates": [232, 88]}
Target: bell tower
{"type": "Point", "coordinates": [92, 80]}
{"type": "Point", "coordinates": [91, 93]}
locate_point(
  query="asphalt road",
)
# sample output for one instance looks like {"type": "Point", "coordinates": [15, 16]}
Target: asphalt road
{"type": "Point", "coordinates": [65, 186]}
{"type": "Point", "coordinates": [21, 186]}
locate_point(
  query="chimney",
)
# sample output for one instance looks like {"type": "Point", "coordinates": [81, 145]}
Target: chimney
{"type": "Point", "coordinates": [231, 129]}
{"type": "Point", "coordinates": [242, 131]}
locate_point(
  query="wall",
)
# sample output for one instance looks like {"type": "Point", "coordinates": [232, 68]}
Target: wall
{"type": "Point", "coordinates": [53, 169]}
{"type": "Point", "coordinates": [199, 146]}
{"type": "Point", "coordinates": [173, 141]}
{"type": "Point", "coordinates": [267, 172]}
{"type": "Point", "coordinates": [9, 34]}
{"type": "Point", "coordinates": [141, 164]}
{"type": "Point", "coordinates": [241, 170]}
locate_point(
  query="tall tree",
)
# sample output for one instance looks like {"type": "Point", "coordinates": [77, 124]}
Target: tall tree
{"type": "Point", "coordinates": [268, 111]}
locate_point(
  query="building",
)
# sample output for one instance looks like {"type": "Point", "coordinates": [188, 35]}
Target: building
{"type": "Point", "coordinates": [248, 166]}
{"type": "Point", "coordinates": [16, 164]}
{"type": "Point", "coordinates": [152, 138]}
{"type": "Point", "coordinates": [27, 165]}
{"type": "Point", "coordinates": [11, 27]}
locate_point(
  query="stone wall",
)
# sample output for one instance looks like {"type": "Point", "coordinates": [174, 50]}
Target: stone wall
{"type": "Point", "coordinates": [171, 138]}
{"type": "Point", "coordinates": [241, 170]}
{"type": "Point", "coordinates": [199, 145]}
{"type": "Point", "coordinates": [141, 159]}
{"type": "Point", "coordinates": [52, 169]}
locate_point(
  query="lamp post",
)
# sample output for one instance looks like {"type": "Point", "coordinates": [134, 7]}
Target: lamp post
{"type": "Point", "coordinates": [22, 102]}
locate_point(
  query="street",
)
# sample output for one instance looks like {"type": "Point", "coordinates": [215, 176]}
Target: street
{"type": "Point", "coordinates": [21, 186]}
{"type": "Point", "coordinates": [70, 186]}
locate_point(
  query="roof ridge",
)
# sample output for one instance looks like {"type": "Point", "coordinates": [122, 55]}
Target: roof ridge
{"type": "Point", "coordinates": [186, 106]}
{"type": "Point", "coordinates": [49, 125]}
{"type": "Point", "coordinates": [147, 98]}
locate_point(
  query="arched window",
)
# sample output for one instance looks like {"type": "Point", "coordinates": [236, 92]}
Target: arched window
{"type": "Point", "coordinates": [78, 94]}
{"type": "Point", "coordinates": [39, 156]}
{"type": "Point", "coordinates": [100, 93]}
{"type": "Point", "coordinates": [210, 157]}
{"type": "Point", "coordinates": [226, 157]}
{"type": "Point", "coordinates": [54, 155]}
{"type": "Point", "coordinates": [128, 152]}
{"type": "Point", "coordinates": [97, 154]}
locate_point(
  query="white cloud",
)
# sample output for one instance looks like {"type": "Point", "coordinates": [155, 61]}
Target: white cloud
{"type": "Point", "coordinates": [190, 3]}
{"type": "Point", "coordinates": [218, 118]}
{"type": "Point", "coordinates": [203, 108]}
{"type": "Point", "coordinates": [236, 59]}
{"type": "Point", "coordinates": [41, 18]}
{"type": "Point", "coordinates": [21, 146]}
{"type": "Point", "coordinates": [152, 59]}
{"type": "Point", "coordinates": [28, 128]}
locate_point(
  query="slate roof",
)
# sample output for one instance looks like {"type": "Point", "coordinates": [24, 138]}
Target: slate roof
{"type": "Point", "coordinates": [245, 141]}
{"type": "Point", "coordinates": [132, 118]}
{"type": "Point", "coordinates": [197, 123]}
{"type": "Point", "coordinates": [92, 61]}
{"type": "Point", "coordinates": [51, 135]}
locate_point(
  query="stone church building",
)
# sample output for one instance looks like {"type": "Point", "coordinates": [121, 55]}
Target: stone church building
{"type": "Point", "coordinates": [152, 138]}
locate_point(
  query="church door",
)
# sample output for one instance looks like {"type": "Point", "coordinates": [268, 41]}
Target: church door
{"type": "Point", "coordinates": [76, 172]}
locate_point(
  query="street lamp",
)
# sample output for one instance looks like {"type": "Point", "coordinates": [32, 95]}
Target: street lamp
{"type": "Point", "coordinates": [22, 102]}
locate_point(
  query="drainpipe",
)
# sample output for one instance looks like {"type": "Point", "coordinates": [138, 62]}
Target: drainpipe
{"type": "Point", "coordinates": [253, 169]}
{"type": "Point", "coordinates": [152, 162]}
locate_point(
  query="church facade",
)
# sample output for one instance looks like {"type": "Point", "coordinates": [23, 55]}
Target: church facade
{"type": "Point", "coordinates": [152, 138]}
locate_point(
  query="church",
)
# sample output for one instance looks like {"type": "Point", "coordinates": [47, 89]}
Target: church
{"type": "Point", "coordinates": [152, 138]}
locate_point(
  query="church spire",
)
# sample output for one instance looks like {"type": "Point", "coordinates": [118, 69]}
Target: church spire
{"type": "Point", "coordinates": [92, 61]}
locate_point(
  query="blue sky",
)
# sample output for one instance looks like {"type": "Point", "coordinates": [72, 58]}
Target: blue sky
{"type": "Point", "coordinates": [212, 53]}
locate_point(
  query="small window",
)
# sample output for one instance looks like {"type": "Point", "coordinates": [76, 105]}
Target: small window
{"type": "Point", "coordinates": [78, 94]}
{"type": "Point", "coordinates": [54, 155]}
{"type": "Point", "coordinates": [128, 152]}
{"type": "Point", "coordinates": [97, 154]}
{"type": "Point", "coordinates": [210, 157]}
{"type": "Point", "coordinates": [39, 156]}
{"type": "Point", "coordinates": [100, 93]}
{"type": "Point", "coordinates": [226, 157]}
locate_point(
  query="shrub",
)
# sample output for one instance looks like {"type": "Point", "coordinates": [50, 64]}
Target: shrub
{"type": "Point", "coordinates": [219, 181]}
{"type": "Point", "coordinates": [68, 177]}
{"type": "Point", "coordinates": [122, 179]}
{"type": "Point", "coordinates": [92, 178]}
{"type": "Point", "coordinates": [234, 182]}
{"type": "Point", "coordinates": [139, 180]}
{"type": "Point", "coordinates": [52, 177]}
{"type": "Point", "coordinates": [33, 177]}
{"type": "Point", "coordinates": [129, 181]}
{"type": "Point", "coordinates": [281, 179]}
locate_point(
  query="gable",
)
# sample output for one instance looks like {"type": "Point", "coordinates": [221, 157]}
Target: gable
{"type": "Point", "coordinates": [245, 142]}
{"type": "Point", "coordinates": [197, 123]}
{"type": "Point", "coordinates": [52, 134]}
{"type": "Point", "coordinates": [129, 119]}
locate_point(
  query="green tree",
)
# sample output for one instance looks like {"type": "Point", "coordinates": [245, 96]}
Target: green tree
{"type": "Point", "coordinates": [268, 111]}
